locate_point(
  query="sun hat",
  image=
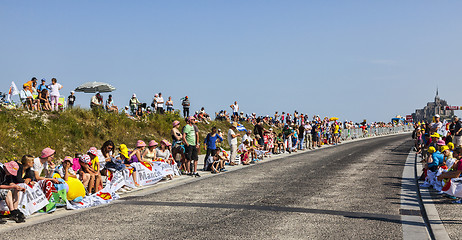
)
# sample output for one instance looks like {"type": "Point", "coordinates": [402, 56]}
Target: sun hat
{"type": "Point", "coordinates": [72, 92]}
{"type": "Point", "coordinates": [234, 124]}
{"type": "Point", "coordinates": [440, 143]}
{"type": "Point", "coordinates": [444, 148]}
{"type": "Point", "coordinates": [451, 146]}
{"type": "Point", "coordinates": [186, 97]}
{"type": "Point", "coordinates": [47, 152]}
{"type": "Point", "coordinates": [134, 95]}
{"type": "Point", "coordinates": [153, 143]}
{"type": "Point", "coordinates": [192, 118]}
{"type": "Point", "coordinates": [12, 167]}
{"type": "Point", "coordinates": [167, 143]}
{"type": "Point", "coordinates": [437, 115]}
{"type": "Point", "coordinates": [431, 150]}
{"type": "Point", "coordinates": [123, 150]}
{"type": "Point", "coordinates": [93, 151]}
{"type": "Point", "coordinates": [140, 143]}
{"type": "Point", "coordinates": [86, 159]}
{"type": "Point", "coordinates": [436, 135]}
{"type": "Point", "coordinates": [176, 123]}
{"type": "Point", "coordinates": [68, 159]}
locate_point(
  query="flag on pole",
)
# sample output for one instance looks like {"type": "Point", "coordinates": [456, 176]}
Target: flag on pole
{"type": "Point", "coordinates": [13, 91]}
{"type": "Point", "coordinates": [241, 128]}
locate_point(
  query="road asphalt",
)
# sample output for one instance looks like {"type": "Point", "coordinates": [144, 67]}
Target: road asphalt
{"type": "Point", "coordinates": [350, 191]}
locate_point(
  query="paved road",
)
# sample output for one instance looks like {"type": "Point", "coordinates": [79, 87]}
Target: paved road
{"type": "Point", "coordinates": [346, 192]}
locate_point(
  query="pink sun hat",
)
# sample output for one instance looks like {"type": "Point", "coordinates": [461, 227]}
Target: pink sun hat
{"type": "Point", "coordinates": [153, 143]}
{"type": "Point", "coordinates": [93, 151]}
{"type": "Point", "coordinates": [175, 123]}
{"type": "Point", "coordinates": [167, 143]}
{"type": "Point", "coordinates": [140, 143]}
{"type": "Point", "coordinates": [47, 152]}
{"type": "Point", "coordinates": [441, 142]}
{"type": "Point", "coordinates": [12, 167]}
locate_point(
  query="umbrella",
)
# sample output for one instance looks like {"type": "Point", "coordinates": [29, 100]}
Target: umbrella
{"type": "Point", "coordinates": [92, 87]}
{"type": "Point", "coordinates": [333, 119]}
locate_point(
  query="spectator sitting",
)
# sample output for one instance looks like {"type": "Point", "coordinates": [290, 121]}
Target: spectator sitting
{"type": "Point", "coordinates": [44, 164]}
{"type": "Point", "coordinates": [163, 153]}
{"type": "Point", "coordinates": [25, 173]}
{"type": "Point", "coordinates": [97, 101]}
{"type": "Point", "coordinates": [149, 153]}
{"type": "Point", "coordinates": [244, 150]}
{"type": "Point", "coordinates": [9, 191]}
{"type": "Point", "coordinates": [65, 171]}
{"type": "Point", "coordinates": [28, 99]}
{"type": "Point", "coordinates": [110, 107]}
{"type": "Point", "coordinates": [123, 155]}
{"type": "Point", "coordinates": [86, 174]}
{"type": "Point", "coordinates": [95, 170]}
{"type": "Point", "coordinates": [137, 154]}
{"type": "Point", "coordinates": [43, 98]}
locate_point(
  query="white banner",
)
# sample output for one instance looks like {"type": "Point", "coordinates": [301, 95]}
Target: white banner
{"type": "Point", "coordinates": [453, 187]}
{"type": "Point", "coordinates": [147, 173]}
{"type": "Point", "coordinates": [32, 200]}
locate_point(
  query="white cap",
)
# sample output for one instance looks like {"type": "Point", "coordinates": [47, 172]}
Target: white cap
{"type": "Point", "coordinates": [134, 95]}
{"type": "Point", "coordinates": [72, 92]}
{"type": "Point", "coordinates": [437, 115]}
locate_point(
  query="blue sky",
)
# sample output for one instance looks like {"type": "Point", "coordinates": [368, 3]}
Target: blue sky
{"type": "Point", "coordinates": [351, 59]}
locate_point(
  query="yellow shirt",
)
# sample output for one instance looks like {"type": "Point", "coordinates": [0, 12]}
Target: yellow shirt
{"type": "Point", "coordinates": [95, 163]}
{"type": "Point", "coordinates": [336, 129]}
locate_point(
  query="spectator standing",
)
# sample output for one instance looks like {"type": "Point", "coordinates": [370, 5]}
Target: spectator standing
{"type": "Point", "coordinates": [30, 84]}
{"type": "Point", "coordinates": [42, 86]}
{"type": "Point", "coordinates": [185, 103]}
{"type": "Point", "coordinates": [301, 137]}
{"type": "Point", "coordinates": [232, 141]}
{"type": "Point", "coordinates": [71, 100]}
{"type": "Point", "coordinates": [308, 136]}
{"type": "Point", "coordinates": [457, 132]}
{"type": "Point", "coordinates": [154, 103]}
{"type": "Point", "coordinates": [169, 105]}
{"type": "Point", "coordinates": [436, 125]}
{"type": "Point", "coordinates": [160, 104]}
{"type": "Point", "coordinates": [235, 108]}
{"type": "Point", "coordinates": [210, 144]}
{"type": "Point", "coordinates": [259, 130]}
{"type": "Point", "coordinates": [190, 139]}
{"type": "Point", "coordinates": [134, 102]}
{"type": "Point", "coordinates": [54, 94]}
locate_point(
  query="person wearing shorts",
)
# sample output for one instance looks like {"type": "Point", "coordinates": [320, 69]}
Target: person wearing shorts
{"type": "Point", "coordinates": [190, 136]}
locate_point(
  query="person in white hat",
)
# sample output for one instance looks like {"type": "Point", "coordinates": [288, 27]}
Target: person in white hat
{"type": "Point", "coordinates": [134, 102]}
{"type": "Point", "coordinates": [71, 100]}
{"type": "Point", "coordinates": [436, 125]}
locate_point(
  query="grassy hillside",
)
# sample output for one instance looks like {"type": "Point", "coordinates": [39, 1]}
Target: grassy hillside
{"type": "Point", "coordinates": [76, 130]}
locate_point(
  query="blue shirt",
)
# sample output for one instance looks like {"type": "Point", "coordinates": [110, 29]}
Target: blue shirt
{"type": "Point", "coordinates": [210, 141]}
{"type": "Point", "coordinates": [437, 159]}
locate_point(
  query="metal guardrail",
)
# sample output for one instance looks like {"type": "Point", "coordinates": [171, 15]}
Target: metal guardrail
{"type": "Point", "coordinates": [348, 134]}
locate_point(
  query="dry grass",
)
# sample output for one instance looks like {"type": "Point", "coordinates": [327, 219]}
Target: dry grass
{"type": "Point", "coordinates": [76, 130]}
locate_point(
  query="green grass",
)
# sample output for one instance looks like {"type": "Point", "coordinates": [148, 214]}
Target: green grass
{"type": "Point", "coordinates": [76, 130]}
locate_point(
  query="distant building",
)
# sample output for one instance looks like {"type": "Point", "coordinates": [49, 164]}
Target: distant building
{"type": "Point", "coordinates": [432, 108]}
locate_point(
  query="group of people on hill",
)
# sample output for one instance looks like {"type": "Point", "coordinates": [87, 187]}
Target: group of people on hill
{"type": "Point", "coordinates": [440, 146]}
{"type": "Point", "coordinates": [43, 97]}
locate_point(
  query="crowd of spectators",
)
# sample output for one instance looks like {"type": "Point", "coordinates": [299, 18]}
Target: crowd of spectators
{"type": "Point", "coordinates": [439, 145]}
{"type": "Point", "coordinates": [43, 97]}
